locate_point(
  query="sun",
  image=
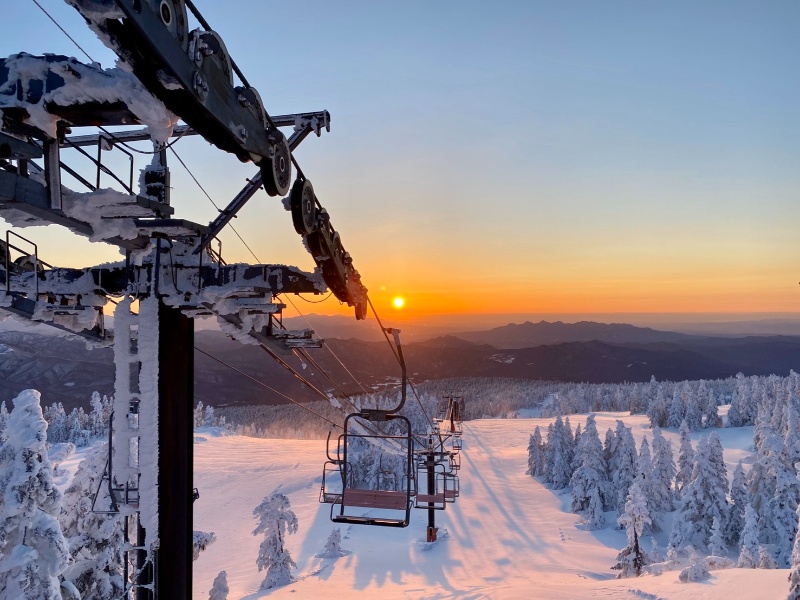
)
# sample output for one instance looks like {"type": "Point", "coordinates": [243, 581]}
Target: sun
{"type": "Point", "coordinates": [398, 302]}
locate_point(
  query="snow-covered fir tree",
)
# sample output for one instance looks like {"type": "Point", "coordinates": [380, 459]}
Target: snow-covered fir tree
{"type": "Point", "coordinates": [219, 589]}
{"type": "Point", "coordinates": [536, 454]}
{"type": "Point", "coordinates": [3, 421]}
{"type": "Point", "coordinates": [589, 479]}
{"type": "Point", "coordinates": [676, 410]}
{"type": "Point", "coordinates": [593, 514]}
{"type": "Point", "coordinates": [663, 497]}
{"type": "Point", "coordinates": [333, 547]}
{"type": "Point", "coordinates": [635, 518]}
{"type": "Point", "coordinates": [275, 521]}
{"type": "Point", "coordinates": [198, 415]}
{"type": "Point", "coordinates": [716, 543]}
{"type": "Point", "coordinates": [657, 410]}
{"type": "Point", "coordinates": [200, 541]}
{"type": "Point", "coordinates": [739, 500]}
{"type": "Point", "coordinates": [693, 415]}
{"type": "Point", "coordinates": [95, 539]}
{"type": "Point", "coordinates": [748, 550]}
{"type": "Point", "coordinates": [765, 558]}
{"type": "Point", "coordinates": [708, 406]}
{"type": "Point", "coordinates": [781, 511]}
{"type": "Point", "coordinates": [644, 479]}
{"type": "Point", "coordinates": [696, 570]}
{"type": "Point", "coordinates": [703, 499]}
{"type": "Point", "coordinates": [559, 455]}
{"type": "Point", "coordinates": [685, 460]}
{"type": "Point", "coordinates": [626, 468]}
{"type": "Point", "coordinates": [610, 451]}
{"type": "Point", "coordinates": [33, 551]}
{"type": "Point", "coordinates": [208, 419]}
{"type": "Point", "coordinates": [794, 575]}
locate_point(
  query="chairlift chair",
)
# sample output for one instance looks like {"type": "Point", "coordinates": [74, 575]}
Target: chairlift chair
{"type": "Point", "coordinates": [451, 487]}
{"type": "Point", "coordinates": [365, 503]}
{"type": "Point", "coordinates": [455, 461]}
{"type": "Point", "coordinates": [360, 500]}
{"type": "Point", "coordinates": [435, 496]}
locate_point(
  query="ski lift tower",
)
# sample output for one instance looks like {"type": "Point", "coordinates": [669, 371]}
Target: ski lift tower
{"type": "Point", "coordinates": [171, 268]}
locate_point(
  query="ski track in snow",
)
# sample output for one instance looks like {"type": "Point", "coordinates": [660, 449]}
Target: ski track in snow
{"type": "Point", "coordinates": [509, 535]}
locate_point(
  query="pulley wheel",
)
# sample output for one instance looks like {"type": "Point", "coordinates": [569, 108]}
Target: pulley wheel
{"type": "Point", "coordinates": [304, 210]}
{"type": "Point", "coordinates": [276, 169]}
{"type": "Point", "coordinates": [173, 15]}
{"type": "Point", "coordinates": [208, 47]}
{"type": "Point", "coordinates": [250, 98]}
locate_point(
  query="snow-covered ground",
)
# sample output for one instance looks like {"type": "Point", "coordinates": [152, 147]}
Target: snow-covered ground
{"type": "Point", "coordinates": [509, 536]}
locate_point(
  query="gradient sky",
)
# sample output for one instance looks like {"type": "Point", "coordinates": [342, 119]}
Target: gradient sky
{"type": "Point", "coordinates": [514, 157]}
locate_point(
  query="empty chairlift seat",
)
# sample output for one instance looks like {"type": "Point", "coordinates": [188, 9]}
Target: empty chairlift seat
{"type": "Point", "coordinates": [368, 502]}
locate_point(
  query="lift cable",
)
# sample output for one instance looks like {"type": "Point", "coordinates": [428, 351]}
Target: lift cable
{"type": "Point", "coordinates": [180, 160]}
{"type": "Point", "coordinates": [299, 312]}
{"type": "Point", "coordinates": [262, 384]}
{"type": "Point", "coordinates": [139, 150]}
{"type": "Point", "coordinates": [304, 355]}
{"type": "Point", "coordinates": [64, 31]}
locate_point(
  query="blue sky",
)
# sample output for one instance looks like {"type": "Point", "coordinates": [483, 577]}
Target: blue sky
{"type": "Point", "coordinates": [521, 156]}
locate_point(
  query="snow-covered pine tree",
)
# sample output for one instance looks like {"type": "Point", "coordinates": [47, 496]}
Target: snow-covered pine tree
{"type": "Point", "coordinates": [794, 576]}
{"type": "Point", "coordinates": [765, 558]}
{"type": "Point", "coordinates": [536, 454]}
{"type": "Point", "coordinates": [748, 551]}
{"type": "Point", "coordinates": [594, 516]}
{"type": "Point", "coordinates": [644, 478]}
{"type": "Point", "coordinates": [657, 409]}
{"type": "Point", "coordinates": [737, 413]}
{"type": "Point", "coordinates": [696, 570]}
{"type": "Point", "coordinates": [663, 500]}
{"type": "Point", "coordinates": [781, 511]}
{"type": "Point", "coordinates": [716, 545]}
{"type": "Point", "coordinates": [219, 589]}
{"type": "Point", "coordinates": [275, 521]}
{"type": "Point", "coordinates": [208, 419]}
{"type": "Point", "coordinates": [610, 451]}
{"type": "Point", "coordinates": [56, 423]}
{"type": "Point", "coordinates": [33, 551]}
{"type": "Point", "coordinates": [685, 460]}
{"type": "Point", "coordinates": [626, 468]}
{"type": "Point", "coordinates": [560, 455]}
{"type": "Point", "coordinates": [198, 415]}
{"type": "Point", "coordinates": [635, 518]}
{"type": "Point", "coordinates": [676, 410]}
{"type": "Point", "coordinates": [333, 547]}
{"type": "Point", "coordinates": [718, 477]}
{"type": "Point", "coordinates": [571, 442]}
{"type": "Point", "coordinates": [693, 416]}
{"type": "Point", "coordinates": [200, 541]}
{"type": "Point", "coordinates": [700, 503]}
{"type": "Point", "coordinates": [97, 421]}
{"type": "Point", "coordinates": [3, 421]}
{"type": "Point", "coordinates": [95, 540]}
{"type": "Point", "coordinates": [791, 438]}
{"type": "Point", "coordinates": [739, 500]}
{"type": "Point", "coordinates": [589, 479]}
{"type": "Point", "coordinates": [770, 465]}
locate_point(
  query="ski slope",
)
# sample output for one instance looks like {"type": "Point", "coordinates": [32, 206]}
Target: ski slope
{"type": "Point", "coordinates": [508, 535]}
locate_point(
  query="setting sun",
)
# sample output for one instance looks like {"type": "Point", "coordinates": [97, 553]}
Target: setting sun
{"type": "Point", "coordinates": [398, 302]}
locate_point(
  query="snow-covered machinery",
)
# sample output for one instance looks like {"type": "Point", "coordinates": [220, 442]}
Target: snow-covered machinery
{"type": "Point", "coordinates": [171, 73]}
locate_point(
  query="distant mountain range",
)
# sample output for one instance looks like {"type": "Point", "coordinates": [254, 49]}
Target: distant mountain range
{"type": "Point", "coordinates": [529, 335]}
{"type": "Point", "coordinates": [65, 371]}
